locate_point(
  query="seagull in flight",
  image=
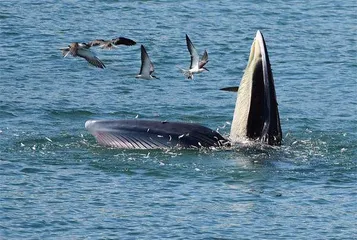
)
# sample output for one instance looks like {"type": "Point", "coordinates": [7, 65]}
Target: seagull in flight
{"type": "Point", "coordinates": [110, 44]}
{"type": "Point", "coordinates": [82, 50]}
{"type": "Point", "coordinates": [147, 67]}
{"type": "Point", "coordinates": [197, 65]}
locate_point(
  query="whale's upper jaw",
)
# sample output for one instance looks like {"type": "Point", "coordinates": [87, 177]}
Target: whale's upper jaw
{"type": "Point", "coordinates": [256, 115]}
{"type": "Point", "coordinates": [271, 132]}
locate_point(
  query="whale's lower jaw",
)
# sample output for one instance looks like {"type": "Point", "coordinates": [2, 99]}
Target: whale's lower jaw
{"type": "Point", "coordinates": [146, 134]}
{"type": "Point", "coordinates": [256, 114]}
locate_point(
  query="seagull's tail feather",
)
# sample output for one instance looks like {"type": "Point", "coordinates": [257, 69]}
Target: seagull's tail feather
{"type": "Point", "coordinates": [65, 52]}
{"type": "Point", "coordinates": [185, 72]}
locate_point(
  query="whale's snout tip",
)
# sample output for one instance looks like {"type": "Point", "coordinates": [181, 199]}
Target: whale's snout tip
{"type": "Point", "coordinates": [88, 124]}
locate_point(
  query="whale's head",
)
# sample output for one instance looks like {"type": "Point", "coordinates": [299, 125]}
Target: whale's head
{"type": "Point", "coordinates": [256, 114]}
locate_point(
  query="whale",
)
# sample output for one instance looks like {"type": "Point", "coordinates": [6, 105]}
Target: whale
{"type": "Point", "coordinates": [255, 117]}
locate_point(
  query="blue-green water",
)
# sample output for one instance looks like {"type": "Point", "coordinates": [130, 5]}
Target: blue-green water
{"type": "Point", "coordinates": [57, 183]}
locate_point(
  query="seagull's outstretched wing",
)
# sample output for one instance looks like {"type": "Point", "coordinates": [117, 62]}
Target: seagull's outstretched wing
{"type": "Point", "coordinates": [204, 60]}
{"type": "Point", "coordinates": [195, 58]}
{"type": "Point", "coordinates": [90, 57]}
{"type": "Point", "coordinates": [97, 42]}
{"type": "Point", "coordinates": [147, 67]}
{"type": "Point", "coordinates": [123, 41]}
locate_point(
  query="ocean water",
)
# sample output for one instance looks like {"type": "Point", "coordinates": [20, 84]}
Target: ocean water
{"type": "Point", "coordinates": [56, 182]}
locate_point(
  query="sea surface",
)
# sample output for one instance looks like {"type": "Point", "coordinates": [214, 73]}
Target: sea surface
{"type": "Point", "coordinates": [56, 182]}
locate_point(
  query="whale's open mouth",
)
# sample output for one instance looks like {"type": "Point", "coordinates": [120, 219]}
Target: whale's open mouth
{"type": "Point", "coordinates": [256, 114]}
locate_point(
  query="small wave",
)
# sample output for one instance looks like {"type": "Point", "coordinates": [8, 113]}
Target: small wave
{"type": "Point", "coordinates": [31, 170]}
{"type": "Point", "coordinates": [6, 114]}
{"type": "Point", "coordinates": [70, 113]}
{"type": "Point", "coordinates": [4, 16]}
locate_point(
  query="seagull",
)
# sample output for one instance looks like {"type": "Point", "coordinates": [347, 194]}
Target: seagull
{"type": "Point", "coordinates": [82, 50]}
{"type": "Point", "coordinates": [197, 65]}
{"type": "Point", "coordinates": [147, 68]}
{"type": "Point", "coordinates": [109, 44]}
